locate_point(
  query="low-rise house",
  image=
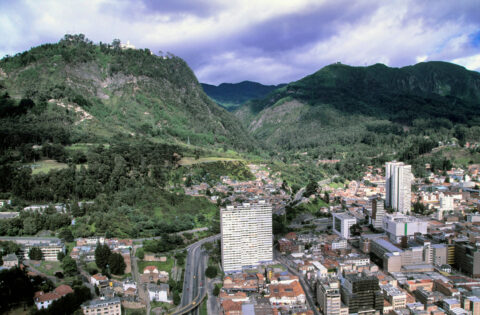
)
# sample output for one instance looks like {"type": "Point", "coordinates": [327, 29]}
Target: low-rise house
{"type": "Point", "coordinates": [152, 274]}
{"type": "Point", "coordinates": [286, 294]}
{"type": "Point", "coordinates": [43, 300]}
{"type": "Point", "coordinates": [98, 279]}
{"type": "Point", "coordinates": [158, 293]}
{"type": "Point", "coordinates": [10, 260]}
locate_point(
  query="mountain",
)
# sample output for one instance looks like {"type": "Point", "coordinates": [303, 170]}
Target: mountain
{"type": "Point", "coordinates": [97, 92]}
{"type": "Point", "coordinates": [341, 105]}
{"type": "Point", "coordinates": [232, 95]}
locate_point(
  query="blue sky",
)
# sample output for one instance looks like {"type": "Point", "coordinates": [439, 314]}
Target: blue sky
{"type": "Point", "coordinates": [271, 42]}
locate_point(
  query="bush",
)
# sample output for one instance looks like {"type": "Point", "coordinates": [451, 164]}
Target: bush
{"type": "Point", "coordinates": [211, 272]}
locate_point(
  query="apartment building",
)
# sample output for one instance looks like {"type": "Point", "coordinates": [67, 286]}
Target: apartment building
{"type": "Point", "coordinates": [246, 235]}
{"type": "Point", "coordinates": [398, 186]}
{"type": "Point", "coordinates": [362, 294]}
{"type": "Point", "coordinates": [102, 306]}
{"type": "Point", "coordinates": [396, 297]}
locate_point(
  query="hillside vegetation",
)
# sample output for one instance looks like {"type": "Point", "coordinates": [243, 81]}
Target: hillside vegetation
{"type": "Point", "coordinates": [99, 91]}
{"type": "Point", "coordinates": [232, 95]}
{"type": "Point", "coordinates": [368, 114]}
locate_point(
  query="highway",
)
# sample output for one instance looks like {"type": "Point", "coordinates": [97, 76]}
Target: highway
{"type": "Point", "coordinates": [194, 284]}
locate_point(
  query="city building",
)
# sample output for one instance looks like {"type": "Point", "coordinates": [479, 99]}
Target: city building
{"type": "Point", "coordinates": [398, 225]}
{"type": "Point", "coordinates": [467, 258]}
{"type": "Point", "coordinates": [398, 186]}
{"type": "Point", "coordinates": [49, 250]}
{"type": "Point", "coordinates": [246, 235]}
{"type": "Point", "coordinates": [378, 212]}
{"type": "Point", "coordinates": [158, 293]}
{"type": "Point", "coordinates": [110, 306]}
{"type": "Point", "coordinates": [328, 297]}
{"type": "Point", "coordinates": [472, 304]}
{"type": "Point", "coordinates": [362, 294]}
{"type": "Point", "coordinates": [342, 223]}
{"type": "Point", "coordinates": [396, 297]}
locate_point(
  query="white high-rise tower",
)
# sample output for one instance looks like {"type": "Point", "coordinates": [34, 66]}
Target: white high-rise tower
{"type": "Point", "coordinates": [398, 186]}
{"type": "Point", "coordinates": [246, 235]}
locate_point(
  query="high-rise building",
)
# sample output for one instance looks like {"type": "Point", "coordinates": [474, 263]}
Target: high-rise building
{"type": "Point", "coordinates": [398, 186]}
{"type": "Point", "coordinates": [467, 258]}
{"type": "Point", "coordinates": [328, 297]}
{"type": "Point", "coordinates": [362, 294]}
{"type": "Point", "coordinates": [378, 212]}
{"type": "Point", "coordinates": [342, 223]}
{"type": "Point", "coordinates": [246, 235]}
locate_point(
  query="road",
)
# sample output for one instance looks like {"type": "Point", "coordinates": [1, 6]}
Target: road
{"type": "Point", "coordinates": [194, 284]}
{"type": "Point", "coordinates": [142, 288]}
{"type": "Point", "coordinates": [178, 233]}
{"type": "Point", "coordinates": [308, 292]}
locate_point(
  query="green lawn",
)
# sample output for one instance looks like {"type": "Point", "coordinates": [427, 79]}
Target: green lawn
{"type": "Point", "coordinates": [165, 266]}
{"type": "Point", "coordinates": [49, 267]}
{"type": "Point", "coordinates": [46, 165]}
{"type": "Point", "coordinates": [336, 185]}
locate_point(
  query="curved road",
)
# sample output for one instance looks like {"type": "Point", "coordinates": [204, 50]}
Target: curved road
{"type": "Point", "coordinates": [194, 285]}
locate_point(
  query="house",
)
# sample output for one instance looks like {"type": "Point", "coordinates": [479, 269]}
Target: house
{"type": "Point", "coordinates": [43, 300]}
{"type": "Point", "coordinates": [286, 294]}
{"type": "Point", "coordinates": [152, 274]}
{"type": "Point", "coordinates": [231, 308]}
{"type": "Point", "coordinates": [158, 293]}
{"type": "Point", "coordinates": [97, 279]}
{"type": "Point", "coordinates": [10, 260]}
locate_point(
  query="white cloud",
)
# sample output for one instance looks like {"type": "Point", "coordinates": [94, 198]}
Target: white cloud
{"type": "Point", "coordinates": [470, 62]}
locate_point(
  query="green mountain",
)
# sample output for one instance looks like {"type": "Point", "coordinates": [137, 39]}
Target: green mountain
{"type": "Point", "coordinates": [232, 95]}
{"type": "Point", "coordinates": [347, 106]}
{"type": "Point", "coordinates": [101, 91]}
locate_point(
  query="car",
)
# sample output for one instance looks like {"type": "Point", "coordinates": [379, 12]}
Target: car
{"type": "Point", "coordinates": [194, 302]}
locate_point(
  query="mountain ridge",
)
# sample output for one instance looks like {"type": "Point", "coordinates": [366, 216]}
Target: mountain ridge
{"type": "Point", "coordinates": [233, 95]}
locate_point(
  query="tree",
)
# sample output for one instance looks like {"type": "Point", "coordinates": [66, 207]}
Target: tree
{"type": "Point", "coordinates": [216, 290]}
{"type": "Point", "coordinates": [116, 264]}
{"type": "Point", "coordinates": [35, 253]}
{"type": "Point", "coordinates": [311, 188]}
{"type": "Point", "coordinates": [60, 256]}
{"type": "Point", "coordinates": [355, 229]}
{"type": "Point", "coordinates": [211, 272]}
{"type": "Point", "coordinates": [102, 254]}
{"type": "Point", "coordinates": [69, 266]}
{"type": "Point", "coordinates": [140, 253]}
{"type": "Point", "coordinates": [176, 298]}
{"type": "Point", "coordinates": [1, 260]}
{"type": "Point", "coordinates": [66, 235]}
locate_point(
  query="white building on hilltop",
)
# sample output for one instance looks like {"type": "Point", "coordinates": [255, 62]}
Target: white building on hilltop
{"type": "Point", "coordinates": [246, 235]}
{"type": "Point", "coordinates": [398, 186]}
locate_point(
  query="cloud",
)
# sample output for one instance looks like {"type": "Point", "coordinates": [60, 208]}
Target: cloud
{"type": "Point", "coordinates": [270, 41]}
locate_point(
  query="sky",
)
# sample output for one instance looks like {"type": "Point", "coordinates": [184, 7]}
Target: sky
{"type": "Point", "coordinates": [268, 41]}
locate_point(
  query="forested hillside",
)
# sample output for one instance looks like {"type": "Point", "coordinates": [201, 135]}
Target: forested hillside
{"type": "Point", "coordinates": [100, 91]}
{"type": "Point", "coordinates": [101, 130]}
{"type": "Point", "coordinates": [232, 95]}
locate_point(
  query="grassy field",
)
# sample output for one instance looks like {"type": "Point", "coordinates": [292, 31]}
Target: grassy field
{"type": "Point", "coordinates": [165, 266]}
{"type": "Point", "coordinates": [190, 160]}
{"type": "Point", "coordinates": [49, 267]}
{"type": "Point", "coordinates": [337, 185]}
{"type": "Point", "coordinates": [46, 165]}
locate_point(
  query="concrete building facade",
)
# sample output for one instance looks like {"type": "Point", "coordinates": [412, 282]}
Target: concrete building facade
{"type": "Point", "coordinates": [342, 223]}
{"type": "Point", "coordinates": [398, 186]}
{"type": "Point", "coordinates": [246, 235]}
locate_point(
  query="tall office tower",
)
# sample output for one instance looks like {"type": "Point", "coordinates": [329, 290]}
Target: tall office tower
{"type": "Point", "coordinates": [246, 235]}
{"type": "Point", "coordinates": [378, 212]}
{"type": "Point", "coordinates": [362, 294]}
{"type": "Point", "coordinates": [398, 186]}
